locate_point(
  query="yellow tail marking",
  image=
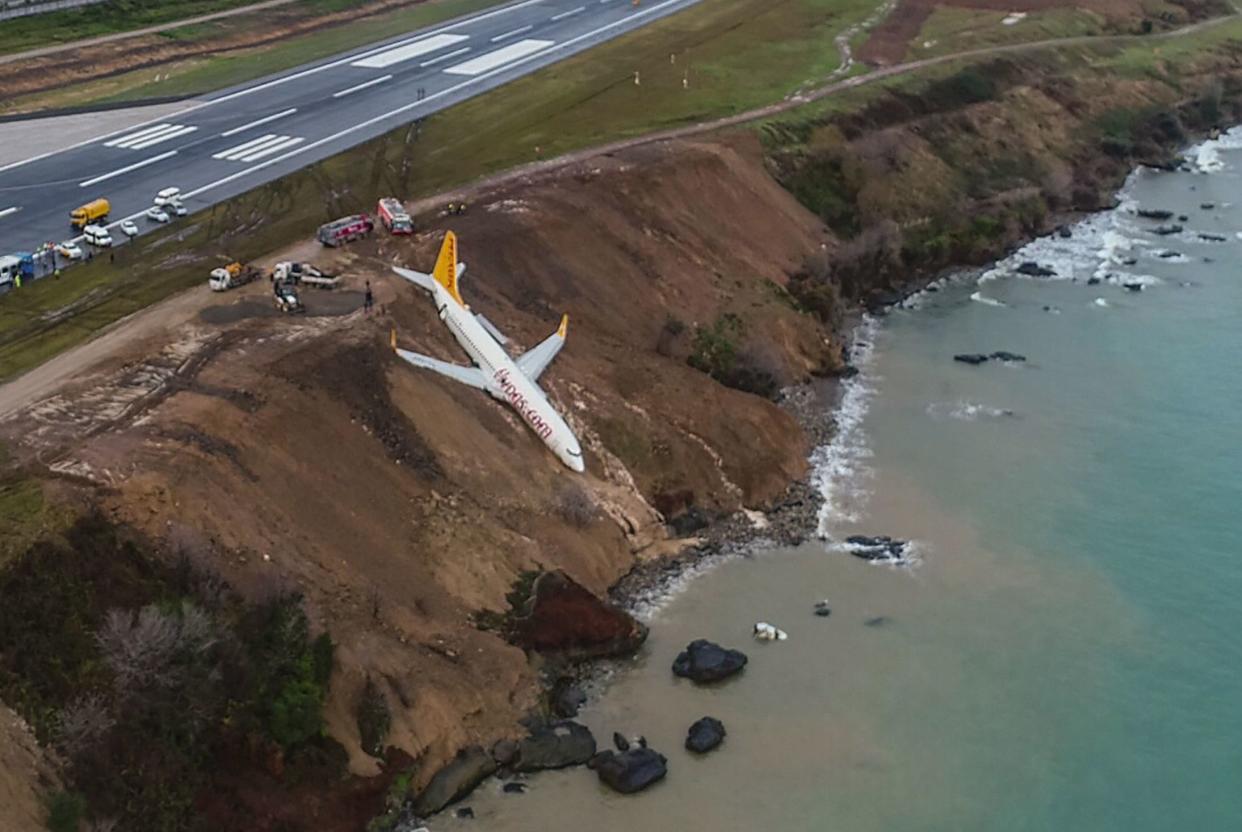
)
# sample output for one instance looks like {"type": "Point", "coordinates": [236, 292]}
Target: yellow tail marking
{"type": "Point", "coordinates": [446, 266]}
{"type": "Point", "coordinates": [564, 327]}
{"type": "Point", "coordinates": [392, 339]}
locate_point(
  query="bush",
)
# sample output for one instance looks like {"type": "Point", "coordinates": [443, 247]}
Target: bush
{"type": "Point", "coordinates": [715, 347]}
{"type": "Point", "coordinates": [65, 811]}
{"type": "Point", "coordinates": [373, 718]}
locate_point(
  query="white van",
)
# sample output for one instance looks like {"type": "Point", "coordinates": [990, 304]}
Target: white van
{"type": "Point", "coordinates": [167, 195]}
{"type": "Point", "coordinates": [97, 235]}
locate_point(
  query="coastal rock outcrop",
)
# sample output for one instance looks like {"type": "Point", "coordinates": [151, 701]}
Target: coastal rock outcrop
{"type": "Point", "coordinates": [1166, 230]}
{"type": "Point", "coordinates": [975, 358]}
{"type": "Point", "coordinates": [822, 609]}
{"type": "Point", "coordinates": [703, 661]}
{"type": "Point", "coordinates": [1032, 269]}
{"type": "Point", "coordinates": [565, 618]}
{"type": "Point", "coordinates": [1155, 214]}
{"type": "Point", "coordinates": [1010, 357]}
{"type": "Point", "coordinates": [880, 547]}
{"type": "Point", "coordinates": [629, 771]}
{"type": "Point", "coordinates": [468, 769]}
{"type": "Point", "coordinates": [705, 735]}
{"type": "Point", "coordinates": [559, 745]}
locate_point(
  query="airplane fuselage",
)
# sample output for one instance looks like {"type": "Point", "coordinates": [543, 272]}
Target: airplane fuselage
{"type": "Point", "coordinates": [506, 382]}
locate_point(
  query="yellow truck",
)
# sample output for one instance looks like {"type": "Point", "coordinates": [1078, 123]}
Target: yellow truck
{"type": "Point", "coordinates": [91, 212]}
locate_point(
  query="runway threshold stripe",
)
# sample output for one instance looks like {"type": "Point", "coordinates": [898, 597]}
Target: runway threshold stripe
{"type": "Point", "coordinates": [154, 140]}
{"type": "Point", "coordinates": [499, 57]}
{"type": "Point", "coordinates": [128, 168]}
{"type": "Point", "coordinates": [246, 127]}
{"type": "Point", "coordinates": [244, 146]}
{"type": "Point", "coordinates": [259, 153]}
{"type": "Point", "coordinates": [141, 134]}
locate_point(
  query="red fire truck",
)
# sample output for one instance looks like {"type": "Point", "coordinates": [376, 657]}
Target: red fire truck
{"type": "Point", "coordinates": [392, 214]}
{"type": "Point", "coordinates": [353, 227]}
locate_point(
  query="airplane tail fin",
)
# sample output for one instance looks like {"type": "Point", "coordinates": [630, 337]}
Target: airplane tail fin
{"type": "Point", "coordinates": [446, 271]}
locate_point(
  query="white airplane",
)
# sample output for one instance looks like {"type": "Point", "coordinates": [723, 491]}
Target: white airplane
{"type": "Point", "coordinates": [494, 372]}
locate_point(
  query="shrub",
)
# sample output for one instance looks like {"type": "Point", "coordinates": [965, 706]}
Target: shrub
{"type": "Point", "coordinates": [373, 718]}
{"type": "Point", "coordinates": [65, 811]}
{"type": "Point", "coordinates": [715, 346]}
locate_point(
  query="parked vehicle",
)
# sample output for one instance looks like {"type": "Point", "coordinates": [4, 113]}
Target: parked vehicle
{"type": "Point", "coordinates": [98, 236]}
{"type": "Point", "coordinates": [353, 227]}
{"type": "Point", "coordinates": [130, 228]}
{"type": "Point", "coordinates": [394, 217]}
{"type": "Point", "coordinates": [287, 299]}
{"type": "Point", "coordinates": [304, 273]}
{"type": "Point", "coordinates": [178, 207]}
{"type": "Point", "coordinates": [231, 276]}
{"type": "Point", "coordinates": [157, 214]}
{"type": "Point", "coordinates": [94, 211]}
{"type": "Point", "coordinates": [16, 266]}
{"type": "Point", "coordinates": [69, 249]}
{"type": "Point", "coordinates": [167, 195]}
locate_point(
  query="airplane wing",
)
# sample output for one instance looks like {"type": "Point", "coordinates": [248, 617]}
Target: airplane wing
{"type": "Point", "coordinates": [534, 361]}
{"type": "Point", "coordinates": [471, 376]}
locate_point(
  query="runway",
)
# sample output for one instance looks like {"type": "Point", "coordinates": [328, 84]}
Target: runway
{"type": "Point", "coordinates": [242, 137]}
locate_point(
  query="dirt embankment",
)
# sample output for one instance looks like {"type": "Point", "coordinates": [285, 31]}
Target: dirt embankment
{"type": "Point", "coordinates": [299, 451]}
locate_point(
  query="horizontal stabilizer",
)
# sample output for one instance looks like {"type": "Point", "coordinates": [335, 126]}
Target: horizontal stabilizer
{"type": "Point", "coordinates": [423, 281]}
{"type": "Point", "coordinates": [491, 328]}
{"type": "Point", "coordinates": [471, 376]}
{"type": "Point", "coordinates": [535, 361]}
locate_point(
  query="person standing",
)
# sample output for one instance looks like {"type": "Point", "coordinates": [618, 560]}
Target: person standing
{"type": "Point", "coordinates": [368, 300]}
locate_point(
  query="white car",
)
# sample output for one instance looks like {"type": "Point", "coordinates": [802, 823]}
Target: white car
{"type": "Point", "coordinates": [167, 195]}
{"type": "Point", "coordinates": [69, 249]}
{"type": "Point", "coordinates": [157, 214]}
{"type": "Point", "coordinates": [97, 235]}
{"type": "Point", "coordinates": [130, 228]}
{"type": "Point", "coordinates": [178, 208]}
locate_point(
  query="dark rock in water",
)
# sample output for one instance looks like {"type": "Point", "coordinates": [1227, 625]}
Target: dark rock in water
{"type": "Point", "coordinates": [1133, 287]}
{"type": "Point", "coordinates": [1065, 232]}
{"type": "Point", "coordinates": [504, 752]}
{"type": "Point", "coordinates": [848, 371]}
{"type": "Point", "coordinates": [564, 618]}
{"type": "Point", "coordinates": [629, 771]}
{"type": "Point", "coordinates": [822, 609]}
{"type": "Point", "coordinates": [1129, 261]}
{"type": "Point", "coordinates": [705, 735]}
{"type": "Point", "coordinates": [1093, 281]}
{"type": "Point", "coordinates": [559, 745]}
{"type": "Point", "coordinates": [468, 769]}
{"type": "Point", "coordinates": [1182, 218]}
{"type": "Point", "coordinates": [882, 547]}
{"type": "Point", "coordinates": [567, 698]}
{"type": "Point", "coordinates": [1168, 254]}
{"type": "Point", "coordinates": [688, 522]}
{"type": "Point", "coordinates": [513, 787]}
{"type": "Point", "coordinates": [621, 743]}
{"type": "Point", "coordinates": [1166, 230]}
{"type": "Point", "coordinates": [1212, 238]}
{"type": "Point", "coordinates": [1155, 214]}
{"type": "Point", "coordinates": [1032, 269]}
{"type": "Point", "coordinates": [1002, 355]}
{"type": "Point", "coordinates": [642, 741]}
{"type": "Point", "coordinates": [703, 661]}
{"type": "Point", "coordinates": [970, 358]}
{"type": "Point", "coordinates": [878, 621]}
{"type": "Point", "coordinates": [1207, 206]}
{"type": "Point", "coordinates": [465, 813]}
{"type": "Point", "coordinates": [932, 289]}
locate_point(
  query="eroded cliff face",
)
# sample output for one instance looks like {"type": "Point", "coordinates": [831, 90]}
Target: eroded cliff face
{"type": "Point", "coordinates": [299, 453]}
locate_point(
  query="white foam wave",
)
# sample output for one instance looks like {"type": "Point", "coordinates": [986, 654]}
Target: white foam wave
{"type": "Point", "coordinates": [647, 604]}
{"type": "Point", "coordinates": [1100, 302]}
{"type": "Point", "coordinates": [839, 467]}
{"type": "Point", "coordinates": [979, 297]}
{"type": "Point", "coordinates": [966, 411]}
{"type": "Point", "coordinates": [1206, 156]}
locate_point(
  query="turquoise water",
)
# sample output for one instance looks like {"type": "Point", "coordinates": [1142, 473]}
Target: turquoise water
{"type": "Point", "coordinates": [1063, 651]}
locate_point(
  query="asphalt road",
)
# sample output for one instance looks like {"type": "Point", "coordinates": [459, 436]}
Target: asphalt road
{"type": "Point", "coordinates": [245, 136]}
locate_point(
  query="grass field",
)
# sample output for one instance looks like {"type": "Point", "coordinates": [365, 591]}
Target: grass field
{"type": "Point", "coordinates": [951, 29]}
{"type": "Point", "coordinates": [107, 18]}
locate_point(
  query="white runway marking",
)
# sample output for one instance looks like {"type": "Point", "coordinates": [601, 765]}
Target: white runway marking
{"type": "Point", "coordinates": [517, 31]}
{"type": "Point", "coordinates": [273, 117]}
{"type": "Point", "coordinates": [455, 53]}
{"type": "Point", "coordinates": [569, 13]}
{"type": "Point", "coordinates": [128, 168]}
{"type": "Point", "coordinates": [491, 60]}
{"type": "Point", "coordinates": [150, 136]}
{"type": "Point", "coordinates": [257, 148]}
{"type": "Point", "coordinates": [408, 51]}
{"type": "Point", "coordinates": [362, 86]}
{"type": "Point", "coordinates": [8, 211]}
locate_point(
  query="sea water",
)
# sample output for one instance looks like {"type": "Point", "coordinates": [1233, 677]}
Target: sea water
{"type": "Point", "coordinates": [1059, 650]}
